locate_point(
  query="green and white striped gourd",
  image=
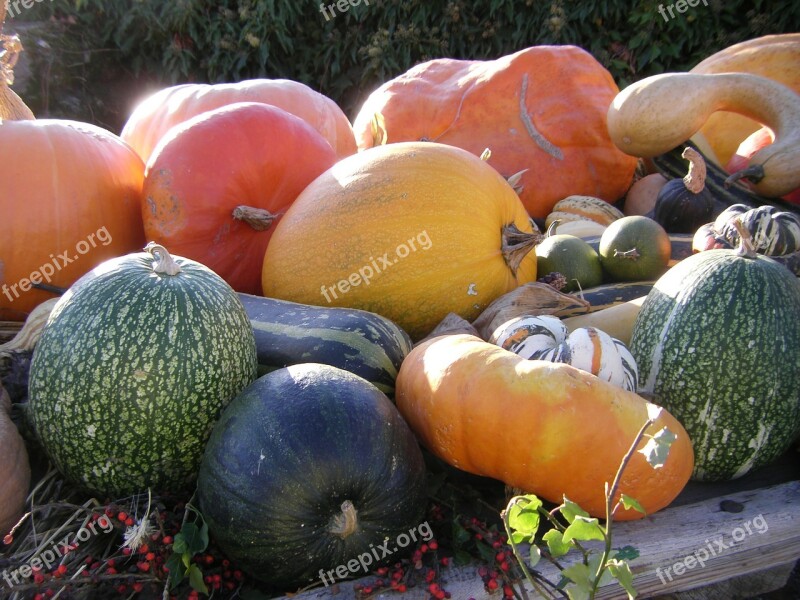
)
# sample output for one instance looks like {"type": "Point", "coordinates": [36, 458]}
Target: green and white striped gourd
{"type": "Point", "coordinates": [717, 342]}
{"type": "Point", "coordinates": [547, 338]}
{"type": "Point", "coordinates": [134, 366]}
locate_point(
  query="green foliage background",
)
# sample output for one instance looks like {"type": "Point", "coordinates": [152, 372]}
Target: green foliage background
{"type": "Point", "coordinates": [92, 59]}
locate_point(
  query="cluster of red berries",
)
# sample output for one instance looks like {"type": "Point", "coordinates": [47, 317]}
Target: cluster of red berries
{"type": "Point", "coordinates": [500, 573]}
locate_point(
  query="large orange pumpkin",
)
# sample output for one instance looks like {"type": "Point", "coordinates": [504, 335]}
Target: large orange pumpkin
{"type": "Point", "coordinates": [411, 231]}
{"type": "Point", "coordinates": [154, 116]}
{"type": "Point", "coordinates": [774, 56]}
{"type": "Point", "coordinates": [217, 183]}
{"type": "Point", "coordinates": [542, 109]}
{"type": "Point", "coordinates": [547, 428]}
{"type": "Point", "coordinates": [70, 198]}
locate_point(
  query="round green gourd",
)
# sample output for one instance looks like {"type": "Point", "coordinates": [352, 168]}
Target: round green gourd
{"type": "Point", "coordinates": [717, 342]}
{"type": "Point", "coordinates": [134, 366]}
{"type": "Point", "coordinates": [308, 469]}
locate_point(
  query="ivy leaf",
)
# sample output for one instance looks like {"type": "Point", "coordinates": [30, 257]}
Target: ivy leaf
{"type": "Point", "coordinates": [195, 538]}
{"type": "Point", "coordinates": [584, 529]}
{"type": "Point", "coordinates": [460, 535]}
{"type": "Point", "coordinates": [579, 575]}
{"type": "Point", "coordinates": [176, 570]}
{"type": "Point", "coordinates": [525, 519]}
{"type": "Point", "coordinates": [179, 545]}
{"type": "Point", "coordinates": [570, 510]}
{"type": "Point", "coordinates": [535, 556]}
{"type": "Point", "coordinates": [196, 579]}
{"type": "Point", "coordinates": [628, 503]}
{"type": "Point", "coordinates": [622, 572]}
{"type": "Point", "coordinates": [555, 543]}
{"type": "Point", "coordinates": [519, 537]}
{"type": "Point", "coordinates": [657, 448]}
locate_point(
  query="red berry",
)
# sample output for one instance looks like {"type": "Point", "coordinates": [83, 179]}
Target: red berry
{"type": "Point", "coordinates": [38, 578]}
{"type": "Point", "coordinates": [7, 539]}
{"type": "Point", "coordinates": [150, 556]}
{"type": "Point", "coordinates": [127, 551]}
{"type": "Point", "coordinates": [143, 566]}
{"type": "Point", "coordinates": [505, 566]}
{"type": "Point", "coordinates": [122, 516]}
{"type": "Point", "coordinates": [143, 549]}
{"type": "Point", "coordinates": [492, 584]}
{"type": "Point", "coordinates": [129, 521]}
{"type": "Point", "coordinates": [137, 587]}
{"type": "Point", "coordinates": [226, 563]}
{"type": "Point", "coordinates": [38, 597]}
{"type": "Point", "coordinates": [501, 556]}
{"type": "Point", "coordinates": [433, 545]}
{"type": "Point", "coordinates": [367, 590]}
{"type": "Point", "coordinates": [61, 570]}
{"type": "Point", "coordinates": [401, 588]}
{"type": "Point", "coordinates": [478, 536]}
{"type": "Point", "coordinates": [433, 588]}
{"type": "Point", "coordinates": [440, 595]}
{"type": "Point", "coordinates": [111, 571]}
{"type": "Point", "coordinates": [423, 548]}
{"type": "Point", "coordinates": [483, 571]}
{"type": "Point", "coordinates": [445, 560]}
{"type": "Point", "coordinates": [208, 559]}
{"type": "Point", "coordinates": [167, 539]}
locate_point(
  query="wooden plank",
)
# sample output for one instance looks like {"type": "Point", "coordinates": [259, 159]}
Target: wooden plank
{"type": "Point", "coordinates": [710, 545]}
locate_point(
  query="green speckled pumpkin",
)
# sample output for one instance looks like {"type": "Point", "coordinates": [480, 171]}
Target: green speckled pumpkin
{"type": "Point", "coordinates": [134, 366]}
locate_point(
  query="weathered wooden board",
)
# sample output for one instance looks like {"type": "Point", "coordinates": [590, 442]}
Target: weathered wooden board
{"type": "Point", "coordinates": [680, 548]}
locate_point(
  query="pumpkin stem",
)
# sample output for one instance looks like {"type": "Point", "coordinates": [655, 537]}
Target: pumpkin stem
{"type": "Point", "coordinates": [754, 173]}
{"type": "Point", "coordinates": [345, 523]}
{"type": "Point", "coordinates": [631, 254]}
{"type": "Point", "coordinates": [551, 230]}
{"type": "Point", "coordinates": [517, 244]}
{"type": "Point", "coordinates": [695, 179]}
{"type": "Point", "coordinates": [258, 218]}
{"type": "Point", "coordinates": [164, 263]}
{"type": "Point", "coordinates": [515, 181]}
{"type": "Point", "coordinates": [745, 247]}
{"type": "Point", "coordinates": [12, 108]}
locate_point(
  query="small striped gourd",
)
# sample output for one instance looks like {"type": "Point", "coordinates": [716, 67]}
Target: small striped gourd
{"type": "Point", "coordinates": [717, 342]}
{"type": "Point", "coordinates": [587, 348]}
{"type": "Point", "coordinates": [134, 366]}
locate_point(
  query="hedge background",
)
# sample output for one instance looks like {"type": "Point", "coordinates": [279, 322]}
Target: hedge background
{"type": "Point", "coordinates": [93, 59]}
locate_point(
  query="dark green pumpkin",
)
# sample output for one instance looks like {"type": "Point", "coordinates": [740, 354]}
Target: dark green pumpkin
{"type": "Point", "coordinates": [308, 469]}
{"type": "Point", "coordinates": [358, 341]}
{"type": "Point", "coordinates": [683, 205]}
{"type": "Point", "coordinates": [717, 342]}
{"type": "Point", "coordinates": [132, 370]}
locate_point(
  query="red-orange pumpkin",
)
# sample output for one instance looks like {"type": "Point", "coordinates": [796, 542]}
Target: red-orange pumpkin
{"type": "Point", "coordinates": [70, 198]}
{"type": "Point", "coordinates": [753, 143]}
{"type": "Point", "coordinates": [216, 185]}
{"type": "Point", "coordinates": [542, 109]}
{"type": "Point", "coordinates": [154, 116]}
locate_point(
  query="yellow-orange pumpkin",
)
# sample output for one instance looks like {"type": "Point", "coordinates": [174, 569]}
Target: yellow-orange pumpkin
{"type": "Point", "coordinates": [411, 231]}
{"type": "Point", "coordinates": [547, 428]}
{"type": "Point", "coordinates": [541, 109]}
{"type": "Point", "coordinates": [774, 56]}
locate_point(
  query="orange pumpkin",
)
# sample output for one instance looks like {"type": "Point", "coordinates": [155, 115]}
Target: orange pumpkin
{"type": "Point", "coordinates": [542, 110]}
{"type": "Point", "coordinates": [774, 56]}
{"type": "Point", "coordinates": [154, 116]}
{"type": "Point", "coordinates": [547, 428]}
{"type": "Point", "coordinates": [217, 183]}
{"type": "Point", "coordinates": [411, 231]}
{"type": "Point", "coordinates": [70, 198]}
{"type": "Point", "coordinates": [15, 471]}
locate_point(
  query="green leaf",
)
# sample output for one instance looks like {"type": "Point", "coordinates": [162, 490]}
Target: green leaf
{"type": "Point", "coordinates": [622, 572]}
{"type": "Point", "coordinates": [196, 579]}
{"type": "Point", "coordinates": [579, 575]}
{"type": "Point", "coordinates": [626, 553]}
{"type": "Point", "coordinates": [534, 557]}
{"type": "Point", "coordinates": [570, 510]}
{"type": "Point", "coordinates": [524, 519]}
{"type": "Point", "coordinates": [657, 448]}
{"type": "Point", "coordinates": [584, 529]}
{"type": "Point", "coordinates": [628, 503]}
{"type": "Point", "coordinates": [179, 545]}
{"type": "Point", "coordinates": [519, 538]}
{"type": "Point", "coordinates": [555, 543]}
{"type": "Point", "coordinates": [577, 593]}
{"type": "Point", "coordinates": [460, 535]}
{"type": "Point", "coordinates": [176, 570]}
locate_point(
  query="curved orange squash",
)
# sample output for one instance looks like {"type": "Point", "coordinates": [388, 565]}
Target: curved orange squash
{"type": "Point", "coordinates": [774, 56]}
{"type": "Point", "coordinates": [70, 198]}
{"type": "Point", "coordinates": [216, 185]}
{"type": "Point", "coordinates": [411, 231]}
{"type": "Point", "coordinates": [154, 116]}
{"type": "Point", "coordinates": [542, 109]}
{"type": "Point", "coordinates": [547, 428]}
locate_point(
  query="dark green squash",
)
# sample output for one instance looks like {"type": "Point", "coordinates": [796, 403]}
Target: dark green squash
{"type": "Point", "coordinates": [310, 468]}
{"type": "Point", "coordinates": [717, 342]}
{"type": "Point", "coordinates": [364, 343]}
{"type": "Point", "coordinates": [134, 366]}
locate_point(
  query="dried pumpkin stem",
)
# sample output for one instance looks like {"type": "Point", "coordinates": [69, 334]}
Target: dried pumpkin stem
{"type": "Point", "coordinates": [745, 247]}
{"type": "Point", "coordinates": [517, 244]}
{"type": "Point", "coordinates": [345, 523]}
{"type": "Point", "coordinates": [12, 108]}
{"type": "Point", "coordinates": [695, 179]}
{"type": "Point", "coordinates": [164, 263]}
{"type": "Point", "coordinates": [258, 218]}
{"type": "Point", "coordinates": [29, 335]}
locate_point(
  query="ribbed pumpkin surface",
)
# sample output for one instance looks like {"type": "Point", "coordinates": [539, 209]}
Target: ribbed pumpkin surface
{"type": "Point", "coordinates": [717, 342]}
{"type": "Point", "coordinates": [132, 370]}
{"type": "Point", "coordinates": [411, 231]}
